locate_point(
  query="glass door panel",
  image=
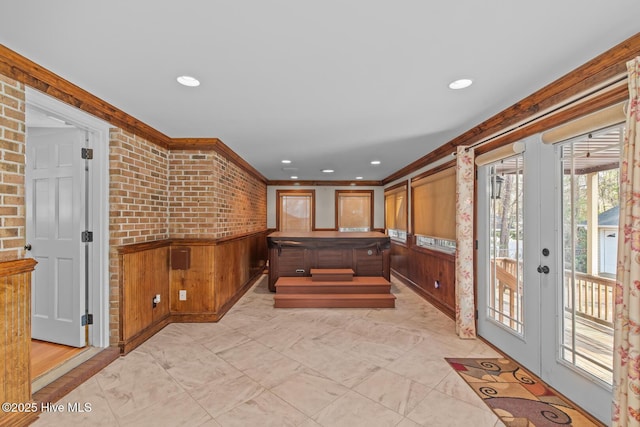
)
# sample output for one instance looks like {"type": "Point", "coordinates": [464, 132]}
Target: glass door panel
{"type": "Point", "coordinates": [508, 254]}
{"type": "Point", "coordinates": [506, 243]}
{"type": "Point", "coordinates": [590, 203]}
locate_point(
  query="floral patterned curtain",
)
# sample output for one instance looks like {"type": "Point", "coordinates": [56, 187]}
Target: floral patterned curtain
{"type": "Point", "coordinates": [465, 310]}
{"type": "Point", "coordinates": [626, 356]}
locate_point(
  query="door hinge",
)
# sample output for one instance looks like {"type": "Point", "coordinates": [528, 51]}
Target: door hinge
{"type": "Point", "coordinates": [476, 245]}
{"type": "Point", "coordinates": [86, 319]}
{"type": "Point", "coordinates": [87, 153]}
{"type": "Point", "coordinates": [476, 314]}
{"type": "Point", "coordinates": [87, 236]}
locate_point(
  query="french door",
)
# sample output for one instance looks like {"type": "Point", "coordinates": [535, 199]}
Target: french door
{"type": "Point", "coordinates": [544, 290]}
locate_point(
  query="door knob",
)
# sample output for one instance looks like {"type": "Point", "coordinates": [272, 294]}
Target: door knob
{"type": "Point", "coordinates": [543, 269]}
{"type": "Point", "coordinates": [27, 247]}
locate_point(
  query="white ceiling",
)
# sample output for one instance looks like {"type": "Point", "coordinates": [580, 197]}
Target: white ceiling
{"type": "Point", "coordinates": [326, 84]}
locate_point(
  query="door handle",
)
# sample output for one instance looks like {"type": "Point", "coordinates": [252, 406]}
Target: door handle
{"type": "Point", "coordinates": [27, 247]}
{"type": "Point", "coordinates": [543, 269]}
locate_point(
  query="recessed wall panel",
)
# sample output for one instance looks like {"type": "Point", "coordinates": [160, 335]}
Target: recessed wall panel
{"type": "Point", "coordinates": [64, 289]}
{"type": "Point", "coordinates": [64, 214]}
{"type": "Point", "coordinates": [40, 293]}
{"type": "Point", "coordinates": [41, 214]}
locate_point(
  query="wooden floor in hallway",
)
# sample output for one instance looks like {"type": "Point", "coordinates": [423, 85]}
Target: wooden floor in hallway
{"type": "Point", "coordinates": [47, 355]}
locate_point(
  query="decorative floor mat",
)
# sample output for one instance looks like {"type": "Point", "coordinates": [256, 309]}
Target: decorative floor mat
{"type": "Point", "coordinates": [515, 396]}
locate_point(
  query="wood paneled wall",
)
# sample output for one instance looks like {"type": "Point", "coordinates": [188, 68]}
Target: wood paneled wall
{"type": "Point", "coordinates": [198, 279]}
{"type": "Point", "coordinates": [145, 273]}
{"type": "Point", "coordinates": [216, 275]}
{"type": "Point", "coordinates": [420, 268]}
{"type": "Point", "coordinates": [15, 335]}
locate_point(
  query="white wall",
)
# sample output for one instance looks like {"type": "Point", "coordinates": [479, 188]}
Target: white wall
{"type": "Point", "coordinates": [325, 203]}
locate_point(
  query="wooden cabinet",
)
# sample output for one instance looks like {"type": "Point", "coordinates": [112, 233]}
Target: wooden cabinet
{"type": "Point", "coordinates": [295, 254]}
{"type": "Point", "coordinates": [429, 272]}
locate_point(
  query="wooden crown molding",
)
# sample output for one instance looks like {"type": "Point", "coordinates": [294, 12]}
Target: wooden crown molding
{"type": "Point", "coordinates": [354, 183]}
{"type": "Point", "coordinates": [594, 73]}
{"type": "Point", "coordinates": [19, 68]}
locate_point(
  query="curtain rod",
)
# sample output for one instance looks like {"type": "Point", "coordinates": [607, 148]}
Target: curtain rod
{"type": "Point", "coordinates": [613, 82]}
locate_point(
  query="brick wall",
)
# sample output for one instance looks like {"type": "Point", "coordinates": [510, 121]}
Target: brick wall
{"type": "Point", "coordinates": [154, 194]}
{"type": "Point", "coordinates": [12, 156]}
{"type": "Point", "coordinates": [211, 197]}
{"type": "Point", "coordinates": [137, 204]}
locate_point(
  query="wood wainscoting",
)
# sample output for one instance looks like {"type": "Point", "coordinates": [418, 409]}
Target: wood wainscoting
{"type": "Point", "coordinates": [214, 273]}
{"type": "Point", "coordinates": [15, 337]}
{"type": "Point", "coordinates": [144, 273]}
{"type": "Point", "coordinates": [430, 273]}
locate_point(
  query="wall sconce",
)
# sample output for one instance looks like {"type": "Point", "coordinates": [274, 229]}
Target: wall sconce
{"type": "Point", "coordinates": [496, 186]}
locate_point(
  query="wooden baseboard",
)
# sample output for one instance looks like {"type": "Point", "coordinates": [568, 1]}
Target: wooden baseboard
{"type": "Point", "coordinates": [418, 290]}
{"type": "Point", "coordinates": [233, 300]}
{"type": "Point", "coordinates": [127, 345]}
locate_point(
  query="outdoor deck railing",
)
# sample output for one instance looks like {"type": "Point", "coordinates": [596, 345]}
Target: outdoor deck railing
{"type": "Point", "coordinates": [593, 297]}
{"type": "Point", "coordinates": [593, 294]}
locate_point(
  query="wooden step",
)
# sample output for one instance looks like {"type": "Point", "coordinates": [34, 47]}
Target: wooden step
{"type": "Point", "coordinates": [359, 285]}
{"type": "Point", "coordinates": [329, 274]}
{"type": "Point", "coordinates": [334, 301]}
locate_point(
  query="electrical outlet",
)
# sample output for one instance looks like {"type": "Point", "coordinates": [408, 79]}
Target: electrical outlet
{"type": "Point", "coordinates": [182, 295]}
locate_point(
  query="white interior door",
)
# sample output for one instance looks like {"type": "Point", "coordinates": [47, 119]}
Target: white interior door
{"type": "Point", "coordinates": [55, 216]}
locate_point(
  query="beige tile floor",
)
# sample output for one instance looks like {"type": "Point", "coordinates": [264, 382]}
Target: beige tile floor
{"type": "Point", "coordinates": [261, 366]}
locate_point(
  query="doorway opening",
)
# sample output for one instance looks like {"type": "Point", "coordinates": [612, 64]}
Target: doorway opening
{"type": "Point", "coordinates": [66, 209]}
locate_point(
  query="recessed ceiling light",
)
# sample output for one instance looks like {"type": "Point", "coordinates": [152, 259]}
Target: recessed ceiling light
{"type": "Point", "coordinates": [286, 162]}
{"type": "Point", "coordinates": [327, 170]}
{"type": "Point", "coordinates": [460, 84]}
{"type": "Point", "coordinates": [188, 81]}
{"type": "Point", "coordinates": [375, 162]}
{"type": "Point", "coordinates": [294, 177]}
{"type": "Point", "coordinates": [358, 177]}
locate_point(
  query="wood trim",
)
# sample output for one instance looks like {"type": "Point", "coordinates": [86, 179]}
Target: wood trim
{"type": "Point", "coordinates": [437, 169]}
{"type": "Point", "coordinates": [144, 246]}
{"type": "Point", "coordinates": [15, 336]}
{"type": "Point", "coordinates": [142, 336]}
{"type": "Point", "coordinates": [396, 187]}
{"type": "Point", "coordinates": [595, 73]}
{"type": "Point", "coordinates": [28, 72]}
{"type": "Point", "coordinates": [562, 116]}
{"type": "Point", "coordinates": [411, 215]}
{"type": "Point", "coordinates": [371, 204]}
{"type": "Point", "coordinates": [213, 242]}
{"type": "Point", "coordinates": [418, 290]}
{"type": "Point", "coordinates": [301, 192]}
{"type": "Point", "coordinates": [17, 266]}
{"type": "Point", "coordinates": [215, 144]}
{"type": "Point", "coordinates": [401, 187]}
{"type": "Point", "coordinates": [71, 380]}
{"type": "Point", "coordinates": [326, 183]}
{"type": "Point", "coordinates": [17, 67]}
